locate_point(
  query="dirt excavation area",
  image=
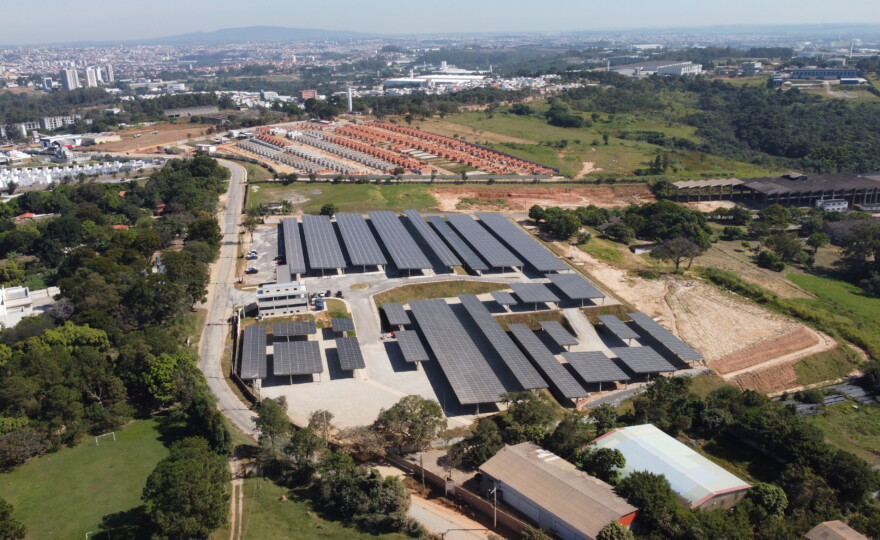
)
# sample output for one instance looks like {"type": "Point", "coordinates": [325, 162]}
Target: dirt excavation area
{"type": "Point", "coordinates": [520, 199]}
{"type": "Point", "coordinates": [746, 344]}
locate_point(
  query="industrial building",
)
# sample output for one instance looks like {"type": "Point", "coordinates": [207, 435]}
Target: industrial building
{"type": "Point", "coordinates": [658, 67]}
{"type": "Point", "coordinates": [699, 482]}
{"type": "Point", "coordinates": [190, 111]}
{"type": "Point", "coordinates": [838, 230]}
{"type": "Point", "coordinates": [825, 73]}
{"type": "Point", "coordinates": [553, 493]}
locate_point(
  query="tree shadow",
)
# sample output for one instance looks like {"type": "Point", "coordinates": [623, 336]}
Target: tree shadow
{"type": "Point", "coordinates": [131, 524]}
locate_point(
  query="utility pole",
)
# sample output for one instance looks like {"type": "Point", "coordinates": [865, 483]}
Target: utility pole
{"type": "Point", "coordinates": [494, 494]}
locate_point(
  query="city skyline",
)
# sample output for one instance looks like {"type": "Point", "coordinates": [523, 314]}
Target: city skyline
{"type": "Point", "coordinates": [92, 21]}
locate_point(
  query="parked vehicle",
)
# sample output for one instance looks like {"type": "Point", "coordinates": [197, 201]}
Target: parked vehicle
{"type": "Point", "coordinates": [251, 270]}
{"type": "Point", "coordinates": [339, 294]}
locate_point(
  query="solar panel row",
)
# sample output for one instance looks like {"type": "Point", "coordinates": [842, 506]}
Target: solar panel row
{"type": "Point", "coordinates": [643, 360]}
{"type": "Point", "coordinates": [666, 338]}
{"type": "Point", "coordinates": [342, 324]}
{"type": "Point", "coordinates": [322, 247]}
{"type": "Point", "coordinates": [595, 367]}
{"type": "Point", "coordinates": [293, 248]}
{"type": "Point", "coordinates": [295, 328]}
{"type": "Point", "coordinates": [470, 376]}
{"type": "Point", "coordinates": [575, 287]}
{"type": "Point", "coordinates": [254, 364]}
{"type": "Point", "coordinates": [559, 377]}
{"type": "Point", "coordinates": [430, 238]}
{"type": "Point", "coordinates": [531, 293]}
{"type": "Point", "coordinates": [296, 358]}
{"type": "Point", "coordinates": [528, 249]}
{"type": "Point", "coordinates": [395, 314]}
{"type": "Point", "coordinates": [363, 250]}
{"type": "Point", "coordinates": [522, 369]}
{"type": "Point", "coordinates": [618, 327]}
{"type": "Point", "coordinates": [471, 259]}
{"type": "Point", "coordinates": [350, 355]}
{"type": "Point", "coordinates": [403, 249]}
{"type": "Point", "coordinates": [483, 242]}
{"type": "Point", "coordinates": [504, 298]}
{"type": "Point", "coordinates": [411, 346]}
{"type": "Point", "coordinates": [558, 333]}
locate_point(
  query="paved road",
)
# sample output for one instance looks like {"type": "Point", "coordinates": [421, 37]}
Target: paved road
{"type": "Point", "coordinates": [221, 292]}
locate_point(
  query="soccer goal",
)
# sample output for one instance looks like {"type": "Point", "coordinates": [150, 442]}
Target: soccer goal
{"type": "Point", "coordinates": [110, 434]}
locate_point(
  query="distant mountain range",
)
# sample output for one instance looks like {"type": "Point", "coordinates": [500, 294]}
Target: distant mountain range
{"type": "Point", "coordinates": [258, 33]}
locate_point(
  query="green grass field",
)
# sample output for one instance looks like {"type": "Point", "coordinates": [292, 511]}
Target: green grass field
{"type": "Point", "coordinates": [66, 494]}
{"type": "Point", "coordinates": [854, 430]}
{"type": "Point", "coordinates": [267, 517]}
{"type": "Point", "coordinates": [347, 197]}
{"type": "Point", "coordinates": [255, 173]}
{"type": "Point", "coordinates": [826, 366]}
{"type": "Point", "coordinates": [440, 289]}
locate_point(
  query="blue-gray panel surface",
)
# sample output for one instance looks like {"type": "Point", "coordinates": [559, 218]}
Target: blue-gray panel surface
{"type": "Point", "coordinates": [528, 249]}
{"type": "Point", "coordinates": [483, 242]}
{"type": "Point", "coordinates": [363, 250]}
{"type": "Point", "coordinates": [430, 238]}
{"type": "Point", "coordinates": [322, 246]}
{"type": "Point", "coordinates": [293, 248]}
{"type": "Point", "coordinates": [470, 258]}
{"type": "Point", "coordinates": [559, 377]}
{"type": "Point", "coordinates": [405, 252]}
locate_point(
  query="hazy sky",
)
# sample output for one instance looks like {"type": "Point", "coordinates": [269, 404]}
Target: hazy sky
{"type": "Point", "coordinates": [28, 21]}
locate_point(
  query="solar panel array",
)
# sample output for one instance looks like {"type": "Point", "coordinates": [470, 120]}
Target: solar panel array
{"type": "Point", "coordinates": [666, 338]}
{"type": "Point", "coordinates": [558, 333]}
{"type": "Point", "coordinates": [411, 345]}
{"type": "Point", "coordinates": [595, 367]}
{"type": "Point", "coordinates": [395, 314]}
{"type": "Point", "coordinates": [618, 327]}
{"type": "Point", "coordinates": [253, 353]}
{"type": "Point", "coordinates": [350, 355]}
{"type": "Point", "coordinates": [322, 247]}
{"type": "Point", "coordinates": [559, 377]}
{"type": "Point", "coordinates": [342, 325]}
{"type": "Point", "coordinates": [486, 245]}
{"type": "Point", "coordinates": [575, 286]}
{"type": "Point", "coordinates": [504, 298]}
{"type": "Point", "coordinates": [519, 365]}
{"type": "Point", "coordinates": [532, 293]}
{"type": "Point", "coordinates": [403, 249]}
{"type": "Point", "coordinates": [643, 360]}
{"type": "Point", "coordinates": [293, 248]}
{"type": "Point", "coordinates": [468, 372]}
{"type": "Point", "coordinates": [528, 249]}
{"type": "Point", "coordinates": [471, 259]}
{"type": "Point", "coordinates": [296, 328]}
{"type": "Point", "coordinates": [446, 256]}
{"type": "Point", "coordinates": [363, 250]}
{"type": "Point", "coordinates": [297, 358]}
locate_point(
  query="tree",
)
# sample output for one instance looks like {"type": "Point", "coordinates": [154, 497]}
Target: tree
{"type": "Point", "coordinates": [653, 496]}
{"type": "Point", "coordinates": [604, 418]}
{"type": "Point", "coordinates": [536, 213]}
{"type": "Point", "coordinates": [771, 498]}
{"type": "Point", "coordinates": [361, 442]}
{"type": "Point", "coordinates": [412, 421]}
{"type": "Point", "coordinates": [10, 528]}
{"type": "Point", "coordinates": [603, 463]}
{"type": "Point", "coordinates": [206, 230]}
{"type": "Point", "coordinates": [817, 240]}
{"type": "Point", "coordinates": [479, 446]}
{"type": "Point", "coordinates": [187, 494]}
{"type": "Point", "coordinates": [615, 531]}
{"type": "Point", "coordinates": [776, 215]}
{"type": "Point", "coordinates": [570, 435]}
{"type": "Point", "coordinates": [321, 421]}
{"type": "Point", "coordinates": [768, 259]}
{"type": "Point", "coordinates": [250, 224]}
{"type": "Point", "coordinates": [677, 250]}
{"type": "Point", "coordinates": [620, 232]}
{"type": "Point", "coordinates": [272, 421]}
{"type": "Point", "coordinates": [329, 209]}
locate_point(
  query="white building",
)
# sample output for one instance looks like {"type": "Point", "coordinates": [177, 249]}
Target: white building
{"type": "Point", "coordinates": [55, 122]}
{"type": "Point", "coordinates": [109, 69]}
{"type": "Point", "coordinates": [683, 68]}
{"type": "Point", "coordinates": [19, 302]}
{"type": "Point", "coordinates": [69, 79]}
{"type": "Point", "coordinates": [277, 299]}
{"type": "Point", "coordinates": [91, 77]}
{"type": "Point", "coordinates": [833, 205]}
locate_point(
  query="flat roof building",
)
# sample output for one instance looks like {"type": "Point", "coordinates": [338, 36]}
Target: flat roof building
{"type": "Point", "coordinates": [699, 482]}
{"type": "Point", "coordinates": [277, 299]}
{"type": "Point", "coordinates": [553, 493]}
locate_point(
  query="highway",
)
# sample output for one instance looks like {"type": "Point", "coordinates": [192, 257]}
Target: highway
{"type": "Point", "coordinates": [220, 303]}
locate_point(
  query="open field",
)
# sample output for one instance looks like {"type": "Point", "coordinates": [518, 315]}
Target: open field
{"type": "Point", "coordinates": [309, 198]}
{"type": "Point", "coordinates": [730, 255]}
{"type": "Point", "coordinates": [854, 430]}
{"type": "Point", "coordinates": [168, 135]}
{"type": "Point", "coordinates": [441, 289]}
{"type": "Point", "coordinates": [509, 198]}
{"type": "Point", "coordinates": [67, 493]}
{"type": "Point", "coordinates": [826, 366]}
{"type": "Point", "coordinates": [255, 173]}
{"type": "Point", "coordinates": [266, 516]}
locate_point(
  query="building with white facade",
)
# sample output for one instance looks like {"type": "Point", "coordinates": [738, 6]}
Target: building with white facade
{"type": "Point", "coordinates": [69, 79]}
{"type": "Point", "coordinates": [19, 302]}
{"type": "Point", "coordinates": [55, 122]}
{"type": "Point", "coordinates": [109, 69]}
{"type": "Point", "coordinates": [277, 299]}
{"type": "Point", "coordinates": [833, 205]}
{"type": "Point", "coordinates": [91, 77]}
{"type": "Point", "coordinates": [681, 68]}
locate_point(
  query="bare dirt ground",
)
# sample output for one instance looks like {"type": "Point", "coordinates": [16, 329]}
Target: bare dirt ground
{"type": "Point", "coordinates": [747, 344]}
{"type": "Point", "coordinates": [588, 167]}
{"type": "Point", "coordinates": [733, 257]}
{"type": "Point", "coordinates": [708, 206]}
{"type": "Point", "coordinates": [147, 142]}
{"type": "Point", "coordinates": [520, 199]}
{"type": "Point", "coordinates": [447, 129]}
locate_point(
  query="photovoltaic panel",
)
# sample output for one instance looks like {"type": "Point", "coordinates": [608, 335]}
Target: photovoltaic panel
{"type": "Point", "coordinates": [674, 345]}
{"type": "Point", "coordinates": [295, 328]}
{"type": "Point", "coordinates": [504, 298]}
{"type": "Point", "coordinates": [643, 360]}
{"type": "Point", "coordinates": [519, 365]}
{"type": "Point", "coordinates": [403, 249]}
{"type": "Point", "coordinates": [395, 314]}
{"type": "Point", "coordinates": [411, 345]}
{"type": "Point", "coordinates": [467, 370]}
{"type": "Point", "coordinates": [342, 325]}
{"type": "Point", "coordinates": [471, 259]}
{"type": "Point", "coordinates": [595, 367]}
{"type": "Point", "coordinates": [322, 247]}
{"type": "Point", "coordinates": [618, 327]}
{"type": "Point", "coordinates": [363, 250]}
{"type": "Point", "coordinates": [559, 377]}
{"type": "Point", "coordinates": [253, 353]}
{"type": "Point", "coordinates": [297, 358]}
{"type": "Point", "coordinates": [430, 238]}
{"type": "Point", "coordinates": [528, 249]}
{"type": "Point", "coordinates": [575, 287]}
{"type": "Point", "coordinates": [483, 242]}
{"type": "Point", "coordinates": [558, 333]}
{"type": "Point", "coordinates": [350, 356]}
{"type": "Point", "coordinates": [293, 248]}
{"type": "Point", "coordinates": [532, 293]}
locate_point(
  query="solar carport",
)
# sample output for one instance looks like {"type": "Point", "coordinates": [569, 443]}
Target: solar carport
{"type": "Point", "coordinates": [296, 358]}
{"type": "Point", "coordinates": [619, 328]}
{"type": "Point", "coordinates": [350, 355]}
{"type": "Point", "coordinates": [533, 293]}
{"type": "Point", "coordinates": [464, 251]}
{"type": "Point", "coordinates": [294, 255]}
{"type": "Point", "coordinates": [561, 381]}
{"type": "Point", "coordinates": [594, 367]}
{"type": "Point", "coordinates": [411, 346]}
{"type": "Point", "coordinates": [363, 250]}
{"type": "Point", "coordinates": [395, 314]}
{"type": "Point", "coordinates": [254, 363]}
{"type": "Point", "coordinates": [666, 338]}
{"type": "Point", "coordinates": [294, 329]}
{"type": "Point", "coordinates": [530, 251]}
{"type": "Point", "coordinates": [322, 246]}
{"type": "Point", "coordinates": [643, 360]}
{"type": "Point", "coordinates": [576, 288]}
{"type": "Point", "coordinates": [405, 252]}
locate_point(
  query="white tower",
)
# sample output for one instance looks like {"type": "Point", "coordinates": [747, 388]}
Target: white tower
{"type": "Point", "coordinates": [350, 106]}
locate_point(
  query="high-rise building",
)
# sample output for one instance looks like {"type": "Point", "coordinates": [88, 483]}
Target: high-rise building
{"type": "Point", "coordinates": [109, 69]}
{"type": "Point", "coordinates": [91, 77]}
{"type": "Point", "coordinates": [47, 83]}
{"type": "Point", "coordinates": [69, 79]}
